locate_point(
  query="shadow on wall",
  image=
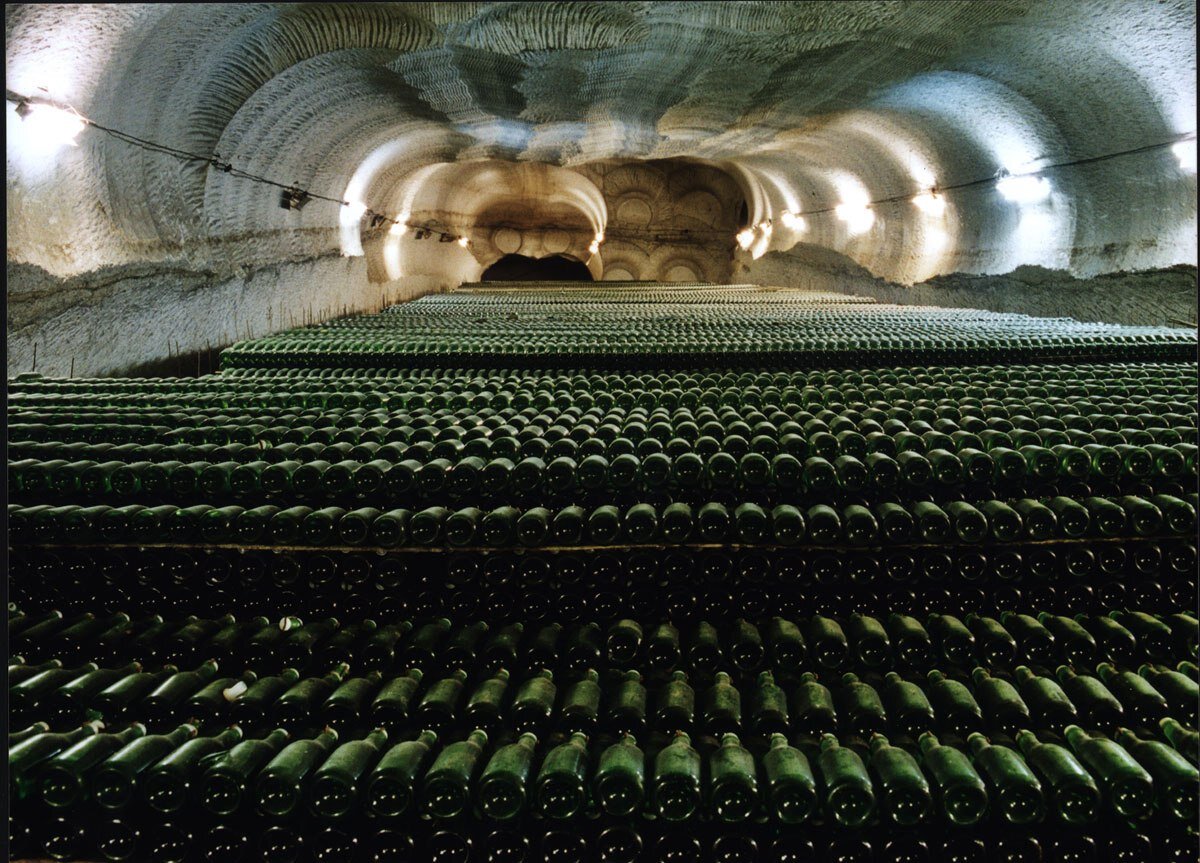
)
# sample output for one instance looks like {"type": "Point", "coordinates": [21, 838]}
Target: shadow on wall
{"type": "Point", "coordinates": [522, 268]}
{"type": "Point", "coordinates": [1159, 297]}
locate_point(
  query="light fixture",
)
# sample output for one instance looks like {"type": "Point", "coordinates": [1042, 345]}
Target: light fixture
{"type": "Point", "coordinates": [858, 217]}
{"type": "Point", "coordinates": [1023, 188]}
{"type": "Point", "coordinates": [293, 198]}
{"type": "Point", "coordinates": [930, 202]}
{"type": "Point", "coordinates": [745, 237]}
{"type": "Point", "coordinates": [49, 126]}
{"type": "Point", "coordinates": [398, 228]}
{"type": "Point", "coordinates": [792, 221]}
{"type": "Point", "coordinates": [464, 242]}
{"type": "Point", "coordinates": [1185, 152]}
{"type": "Point", "coordinates": [357, 209]}
{"type": "Point", "coordinates": [377, 220]}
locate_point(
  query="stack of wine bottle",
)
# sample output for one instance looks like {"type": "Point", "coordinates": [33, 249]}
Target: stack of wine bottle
{"type": "Point", "coordinates": [615, 573]}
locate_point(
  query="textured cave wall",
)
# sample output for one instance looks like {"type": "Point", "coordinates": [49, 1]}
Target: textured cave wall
{"type": "Point", "coordinates": [669, 220]}
{"type": "Point", "coordinates": [1156, 297]}
{"type": "Point", "coordinates": [115, 319]}
{"type": "Point", "coordinates": [804, 105]}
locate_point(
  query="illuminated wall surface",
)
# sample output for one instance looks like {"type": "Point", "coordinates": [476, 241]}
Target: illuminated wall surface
{"type": "Point", "coordinates": [539, 128]}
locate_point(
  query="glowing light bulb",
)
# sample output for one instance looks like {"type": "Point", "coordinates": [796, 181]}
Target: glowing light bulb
{"type": "Point", "coordinates": [50, 126]}
{"type": "Point", "coordinates": [745, 237]}
{"type": "Point", "coordinates": [858, 217]}
{"type": "Point", "coordinates": [793, 221]}
{"type": "Point", "coordinates": [1023, 189]}
{"type": "Point", "coordinates": [357, 209]}
{"type": "Point", "coordinates": [931, 203]}
{"type": "Point", "coordinates": [464, 242]}
{"type": "Point", "coordinates": [399, 229]}
{"type": "Point", "coordinates": [1185, 152]}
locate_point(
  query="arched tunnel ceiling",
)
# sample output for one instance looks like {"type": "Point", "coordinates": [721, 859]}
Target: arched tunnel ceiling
{"type": "Point", "coordinates": [804, 105]}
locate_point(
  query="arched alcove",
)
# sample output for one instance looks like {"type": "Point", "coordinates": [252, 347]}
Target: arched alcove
{"type": "Point", "coordinates": [522, 268]}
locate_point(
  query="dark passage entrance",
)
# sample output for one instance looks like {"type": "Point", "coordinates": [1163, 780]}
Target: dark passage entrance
{"type": "Point", "coordinates": [522, 268]}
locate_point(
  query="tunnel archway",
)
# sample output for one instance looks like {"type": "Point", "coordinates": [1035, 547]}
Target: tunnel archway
{"type": "Point", "coordinates": [522, 268]}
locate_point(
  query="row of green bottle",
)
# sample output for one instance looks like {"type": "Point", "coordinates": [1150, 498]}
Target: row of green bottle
{"type": "Point", "coordinates": [186, 838]}
{"type": "Point", "coordinates": [856, 525]}
{"type": "Point", "coordinates": [851, 782]}
{"type": "Point", "coordinates": [1137, 392]}
{"type": "Point", "coordinates": [621, 701]}
{"type": "Point", "coordinates": [783, 645]}
{"type": "Point", "coordinates": [468, 325]}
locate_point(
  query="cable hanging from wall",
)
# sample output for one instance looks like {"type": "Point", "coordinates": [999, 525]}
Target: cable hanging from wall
{"type": "Point", "coordinates": [1016, 186]}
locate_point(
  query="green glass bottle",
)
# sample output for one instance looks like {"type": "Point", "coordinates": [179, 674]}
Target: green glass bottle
{"type": "Point", "coordinates": [251, 706]}
{"type": "Point", "coordinates": [1091, 697]}
{"type": "Point", "coordinates": [768, 706]}
{"type": "Point", "coordinates": [721, 707]}
{"type": "Point", "coordinates": [676, 786]}
{"type": "Point", "coordinates": [561, 788]}
{"type": "Point", "coordinates": [1127, 787]}
{"type": "Point", "coordinates": [581, 703]}
{"type": "Point", "coordinates": [618, 785]}
{"type": "Point", "coordinates": [168, 785]}
{"type": "Point", "coordinates": [849, 795]}
{"type": "Point", "coordinates": [334, 789]}
{"type": "Point", "coordinates": [733, 783]}
{"type": "Point", "coordinates": [1073, 792]}
{"type": "Point", "coordinates": [502, 790]}
{"type": "Point", "coordinates": [1014, 788]}
{"type": "Point", "coordinates": [1185, 741]}
{"type": "Point", "coordinates": [446, 790]}
{"type": "Point", "coordinates": [1181, 692]}
{"type": "Point", "coordinates": [484, 708]}
{"type": "Point", "coordinates": [162, 702]}
{"type": "Point", "coordinates": [1045, 698]}
{"type": "Point", "coordinates": [116, 699]}
{"type": "Point", "coordinates": [306, 696]}
{"type": "Point", "coordinates": [907, 708]}
{"type": "Point", "coordinates": [25, 695]}
{"type": "Point", "coordinates": [390, 789]}
{"type": "Point", "coordinates": [25, 757]}
{"type": "Point", "coordinates": [624, 638]}
{"type": "Point", "coordinates": [961, 793]}
{"type": "Point", "coordinates": [791, 788]}
{"type": "Point", "coordinates": [861, 709]}
{"type": "Point", "coordinates": [1001, 702]}
{"type": "Point", "coordinates": [1140, 700]}
{"type": "Point", "coordinates": [64, 779]}
{"type": "Point", "coordinates": [827, 642]}
{"type": "Point", "coordinates": [440, 704]}
{"type": "Point", "coordinates": [626, 708]}
{"type": "Point", "coordinates": [906, 796]}
{"type": "Point", "coordinates": [533, 703]}
{"type": "Point", "coordinates": [953, 704]}
{"type": "Point", "coordinates": [391, 706]}
{"type": "Point", "coordinates": [225, 781]}
{"type": "Point", "coordinates": [78, 693]}
{"type": "Point", "coordinates": [1176, 781]}
{"type": "Point", "coordinates": [813, 710]}
{"type": "Point", "coordinates": [279, 785]}
{"type": "Point", "coordinates": [115, 782]}
{"type": "Point", "coordinates": [785, 644]}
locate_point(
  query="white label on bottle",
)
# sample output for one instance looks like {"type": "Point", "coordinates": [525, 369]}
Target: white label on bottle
{"type": "Point", "coordinates": [234, 692]}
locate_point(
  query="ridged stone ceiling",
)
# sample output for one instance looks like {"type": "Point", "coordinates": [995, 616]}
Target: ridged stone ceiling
{"type": "Point", "coordinates": [803, 105]}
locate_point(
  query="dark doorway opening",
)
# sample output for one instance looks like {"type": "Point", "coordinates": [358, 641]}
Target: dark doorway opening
{"type": "Point", "coordinates": [522, 268]}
